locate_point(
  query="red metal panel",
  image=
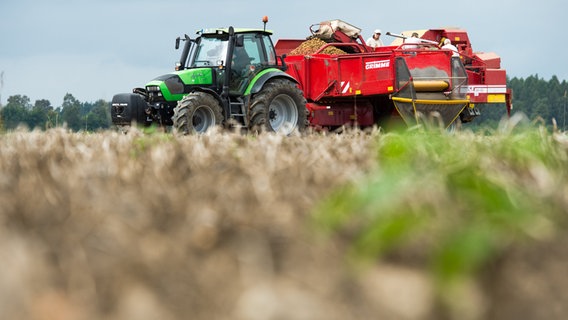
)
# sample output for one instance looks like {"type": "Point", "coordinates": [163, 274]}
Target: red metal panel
{"type": "Point", "coordinates": [321, 74]}
{"type": "Point", "coordinates": [495, 76]}
{"type": "Point", "coordinates": [474, 77]}
{"type": "Point", "coordinates": [340, 113]}
{"type": "Point", "coordinates": [366, 74]}
{"type": "Point", "coordinates": [296, 68]}
{"type": "Point", "coordinates": [332, 76]}
{"type": "Point", "coordinates": [488, 60]}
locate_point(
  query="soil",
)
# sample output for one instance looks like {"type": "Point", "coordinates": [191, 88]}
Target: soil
{"type": "Point", "coordinates": [218, 227]}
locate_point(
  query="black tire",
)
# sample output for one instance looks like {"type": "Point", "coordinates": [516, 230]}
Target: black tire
{"type": "Point", "coordinates": [279, 107]}
{"type": "Point", "coordinates": [196, 113]}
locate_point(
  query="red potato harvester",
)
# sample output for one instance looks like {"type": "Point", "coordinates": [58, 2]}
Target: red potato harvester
{"type": "Point", "coordinates": [365, 86]}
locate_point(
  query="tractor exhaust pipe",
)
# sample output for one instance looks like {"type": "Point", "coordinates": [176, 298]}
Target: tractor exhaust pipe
{"type": "Point", "coordinates": [181, 64]}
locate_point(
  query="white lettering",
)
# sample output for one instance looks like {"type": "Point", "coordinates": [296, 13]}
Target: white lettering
{"type": "Point", "coordinates": [477, 89]}
{"type": "Point", "coordinates": [377, 64]}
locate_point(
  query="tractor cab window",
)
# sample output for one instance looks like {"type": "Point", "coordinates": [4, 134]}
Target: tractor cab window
{"type": "Point", "coordinates": [209, 52]}
{"type": "Point", "coordinates": [252, 47]}
{"type": "Point", "coordinates": [251, 55]}
{"type": "Point", "coordinates": [248, 58]}
{"type": "Point", "coordinates": [269, 49]}
{"type": "Point", "coordinates": [260, 49]}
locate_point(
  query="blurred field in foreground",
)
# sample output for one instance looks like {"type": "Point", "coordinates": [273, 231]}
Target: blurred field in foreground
{"type": "Point", "coordinates": [415, 225]}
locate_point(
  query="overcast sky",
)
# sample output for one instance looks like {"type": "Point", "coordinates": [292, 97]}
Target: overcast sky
{"type": "Point", "coordinates": [94, 49]}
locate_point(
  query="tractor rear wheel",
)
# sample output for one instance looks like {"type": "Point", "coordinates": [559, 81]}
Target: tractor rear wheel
{"type": "Point", "coordinates": [279, 107]}
{"type": "Point", "coordinates": [196, 113]}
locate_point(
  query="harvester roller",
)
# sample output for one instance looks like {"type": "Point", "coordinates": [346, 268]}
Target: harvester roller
{"type": "Point", "coordinates": [431, 85]}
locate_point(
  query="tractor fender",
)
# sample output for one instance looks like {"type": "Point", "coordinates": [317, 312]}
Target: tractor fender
{"type": "Point", "coordinates": [259, 83]}
{"type": "Point", "coordinates": [209, 91]}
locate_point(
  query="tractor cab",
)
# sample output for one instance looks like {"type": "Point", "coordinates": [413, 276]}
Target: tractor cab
{"type": "Point", "coordinates": [242, 56]}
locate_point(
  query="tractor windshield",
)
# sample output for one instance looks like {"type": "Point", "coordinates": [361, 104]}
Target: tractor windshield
{"type": "Point", "coordinates": [209, 52]}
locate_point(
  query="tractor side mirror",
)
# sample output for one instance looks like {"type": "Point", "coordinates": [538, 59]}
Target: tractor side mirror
{"type": "Point", "coordinates": [240, 42]}
{"type": "Point", "coordinates": [177, 42]}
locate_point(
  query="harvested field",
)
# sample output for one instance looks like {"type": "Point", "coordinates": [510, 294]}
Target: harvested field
{"type": "Point", "coordinates": [226, 226]}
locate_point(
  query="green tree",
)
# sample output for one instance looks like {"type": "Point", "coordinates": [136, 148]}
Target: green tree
{"type": "Point", "coordinates": [71, 112]}
{"type": "Point", "coordinates": [99, 116]}
{"type": "Point", "coordinates": [20, 100]}
{"type": "Point", "coordinates": [43, 104]}
{"type": "Point", "coordinates": [53, 118]}
{"type": "Point", "coordinates": [541, 110]}
{"type": "Point", "coordinates": [39, 114]}
{"type": "Point", "coordinates": [16, 111]}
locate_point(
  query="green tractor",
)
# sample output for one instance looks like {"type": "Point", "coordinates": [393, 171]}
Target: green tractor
{"type": "Point", "coordinates": [225, 77]}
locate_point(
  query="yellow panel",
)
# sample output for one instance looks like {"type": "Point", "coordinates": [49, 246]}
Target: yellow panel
{"type": "Point", "coordinates": [390, 88]}
{"type": "Point", "coordinates": [330, 113]}
{"type": "Point", "coordinates": [496, 98]}
{"type": "Point", "coordinates": [357, 91]}
{"type": "Point", "coordinates": [457, 39]}
{"type": "Point", "coordinates": [425, 101]}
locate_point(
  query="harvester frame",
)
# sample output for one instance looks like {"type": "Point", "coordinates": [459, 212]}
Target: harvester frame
{"type": "Point", "coordinates": [366, 86]}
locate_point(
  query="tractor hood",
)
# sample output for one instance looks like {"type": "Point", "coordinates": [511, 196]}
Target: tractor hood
{"type": "Point", "coordinates": [173, 86]}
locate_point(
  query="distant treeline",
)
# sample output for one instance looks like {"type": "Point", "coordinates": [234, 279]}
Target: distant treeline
{"type": "Point", "coordinates": [538, 99]}
{"type": "Point", "coordinates": [72, 113]}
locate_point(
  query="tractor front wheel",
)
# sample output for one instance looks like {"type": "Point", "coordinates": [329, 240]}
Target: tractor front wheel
{"type": "Point", "coordinates": [279, 107]}
{"type": "Point", "coordinates": [196, 113]}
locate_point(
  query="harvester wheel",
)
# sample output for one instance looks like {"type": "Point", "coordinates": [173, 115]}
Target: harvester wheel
{"type": "Point", "coordinates": [279, 107]}
{"type": "Point", "coordinates": [196, 113]}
